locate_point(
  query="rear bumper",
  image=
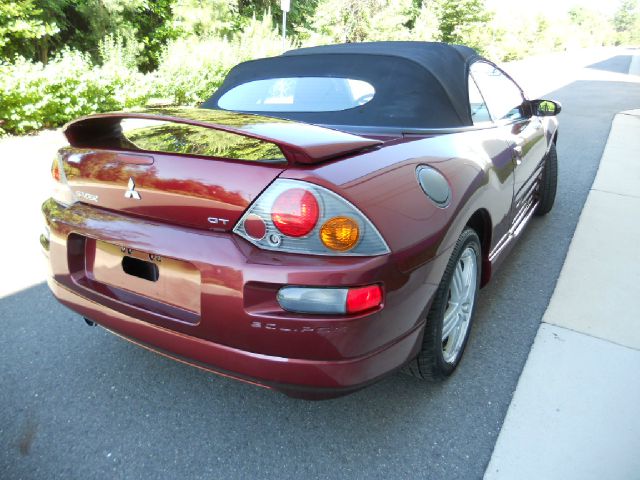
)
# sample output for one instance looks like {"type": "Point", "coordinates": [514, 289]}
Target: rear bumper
{"type": "Point", "coordinates": [237, 328]}
{"type": "Point", "coordinates": [293, 376]}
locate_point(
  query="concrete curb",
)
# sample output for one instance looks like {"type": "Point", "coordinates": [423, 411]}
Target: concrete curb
{"type": "Point", "coordinates": [599, 283]}
{"type": "Point", "coordinates": [575, 413]}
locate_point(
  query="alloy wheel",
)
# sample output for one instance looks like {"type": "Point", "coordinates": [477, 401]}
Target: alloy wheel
{"type": "Point", "coordinates": [462, 295]}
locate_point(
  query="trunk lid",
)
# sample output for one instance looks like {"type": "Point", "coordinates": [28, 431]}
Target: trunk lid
{"type": "Point", "coordinates": [191, 167]}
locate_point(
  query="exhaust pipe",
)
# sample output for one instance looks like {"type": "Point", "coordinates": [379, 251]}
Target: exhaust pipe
{"type": "Point", "coordinates": [91, 323]}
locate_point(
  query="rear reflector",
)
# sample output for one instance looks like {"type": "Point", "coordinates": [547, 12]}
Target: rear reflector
{"type": "Point", "coordinates": [330, 301]}
{"type": "Point", "coordinates": [255, 227]}
{"type": "Point", "coordinates": [365, 298]}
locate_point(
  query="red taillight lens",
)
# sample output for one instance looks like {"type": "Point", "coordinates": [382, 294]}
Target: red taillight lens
{"type": "Point", "coordinates": [295, 212]}
{"type": "Point", "coordinates": [365, 298]}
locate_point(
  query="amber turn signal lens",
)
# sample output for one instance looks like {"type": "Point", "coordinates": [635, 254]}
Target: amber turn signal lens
{"type": "Point", "coordinates": [340, 233]}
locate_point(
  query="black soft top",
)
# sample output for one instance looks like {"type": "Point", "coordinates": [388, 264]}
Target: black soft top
{"type": "Point", "coordinates": [417, 84]}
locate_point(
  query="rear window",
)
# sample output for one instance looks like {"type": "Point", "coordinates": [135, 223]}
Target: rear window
{"type": "Point", "coordinates": [298, 94]}
{"type": "Point", "coordinates": [170, 137]}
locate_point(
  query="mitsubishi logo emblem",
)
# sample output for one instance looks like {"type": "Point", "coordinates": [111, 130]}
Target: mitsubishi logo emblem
{"type": "Point", "coordinates": [131, 190]}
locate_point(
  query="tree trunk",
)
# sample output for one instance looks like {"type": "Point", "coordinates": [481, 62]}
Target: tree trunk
{"type": "Point", "coordinates": [43, 49]}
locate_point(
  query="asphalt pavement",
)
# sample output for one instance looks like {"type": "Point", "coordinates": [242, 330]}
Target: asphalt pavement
{"type": "Point", "coordinates": [575, 412]}
{"type": "Point", "coordinates": [77, 402]}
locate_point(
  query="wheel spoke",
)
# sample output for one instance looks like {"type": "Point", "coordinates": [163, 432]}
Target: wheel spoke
{"type": "Point", "coordinates": [449, 322]}
{"type": "Point", "coordinates": [462, 330]}
{"type": "Point", "coordinates": [457, 282]}
{"type": "Point", "coordinates": [470, 273]}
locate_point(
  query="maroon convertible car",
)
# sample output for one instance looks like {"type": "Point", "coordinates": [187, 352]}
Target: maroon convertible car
{"type": "Point", "coordinates": [325, 218]}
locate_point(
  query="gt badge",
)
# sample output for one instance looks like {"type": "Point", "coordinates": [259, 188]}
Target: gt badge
{"type": "Point", "coordinates": [216, 220]}
{"type": "Point", "coordinates": [131, 190]}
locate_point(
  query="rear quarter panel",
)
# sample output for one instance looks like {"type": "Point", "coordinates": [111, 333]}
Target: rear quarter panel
{"type": "Point", "coordinates": [383, 184]}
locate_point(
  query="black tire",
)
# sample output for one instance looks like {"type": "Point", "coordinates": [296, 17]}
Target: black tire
{"type": "Point", "coordinates": [430, 364]}
{"type": "Point", "coordinates": [548, 183]}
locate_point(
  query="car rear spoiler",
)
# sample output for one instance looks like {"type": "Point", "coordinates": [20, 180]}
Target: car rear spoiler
{"type": "Point", "coordinates": [300, 143]}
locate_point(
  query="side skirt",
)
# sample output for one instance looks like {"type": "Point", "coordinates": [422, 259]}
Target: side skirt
{"type": "Point", "coordinates": [505, 244]}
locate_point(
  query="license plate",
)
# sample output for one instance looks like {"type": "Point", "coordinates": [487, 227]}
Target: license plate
{"type": "Point", "coordinates": [168, 280]}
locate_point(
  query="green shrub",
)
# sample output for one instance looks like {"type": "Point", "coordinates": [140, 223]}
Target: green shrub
{"type": "Point", "coordinates": [192, 68]}
{"type": "Point", "coordinates": [35, 96]}
{"type": "Point", "coordinates": [120, 50]}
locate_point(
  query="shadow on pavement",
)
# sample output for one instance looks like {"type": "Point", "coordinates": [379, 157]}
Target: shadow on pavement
{"type": "Point", "coordinates": [75, 392]}
{"type": "Point", "coordinates": [617, 64]}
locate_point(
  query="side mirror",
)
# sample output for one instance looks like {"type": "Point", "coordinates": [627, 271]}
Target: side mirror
{"type": "Point", "coordinates": [545, 108]}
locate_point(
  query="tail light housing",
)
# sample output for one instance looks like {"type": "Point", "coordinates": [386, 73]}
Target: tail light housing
{"type": "Point", "coordinates": [330, 301]}
{"type": "Point", "coordinates": [62, 192]}
{"type": "Point", "coordinates": [299, 217]}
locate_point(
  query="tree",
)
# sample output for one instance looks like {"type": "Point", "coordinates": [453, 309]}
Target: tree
{"type": "Point", "coordinates": [35, 28]}
{"type": "Point", "coordinates": [362, 20]}
{"type": "Point", "coordinates": [626, 23]}
{"type": "Point", "coordinates": [393, 21]}
{"type": "Point", "coordinates": [589, 28]}
{"type": "Point", "coordinates": [148, 23]}
{"type": "Point", "coordinates": [24, 24]}
{"type": "Point", "coordinates": [152, 22]}
{"type": "Point", "coordinates": [299, 17]}
{"type": "Point", "coordinates": [462, 19]}
{"type": "Point", "coordinates": [427, 24]}
{"type": "Point", "coordinates": [205, 18]}
{"type": "Point", "coordinates": [466, 22]}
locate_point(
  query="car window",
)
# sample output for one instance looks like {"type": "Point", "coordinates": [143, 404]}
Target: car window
{"type": "Point", "coordinates": [298, 94]}
{"type": "Point", "coordinates": [503, 97]}
{"type": "Point", "coordinates": [479, 111]}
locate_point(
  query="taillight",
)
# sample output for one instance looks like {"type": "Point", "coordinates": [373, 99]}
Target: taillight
{"type": "Point", "coordinates": [55, 170]}
{"type": "Point", "coordinates": [364, 298]}
{"type": "Point", "coordinates": [330, 301]}
{"type": "Point", "coordinates": [295, 212]}
{"type": "Point", "coordinates": [62, 193]}
{"type": "Point", "coordinates": [299, 217]}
